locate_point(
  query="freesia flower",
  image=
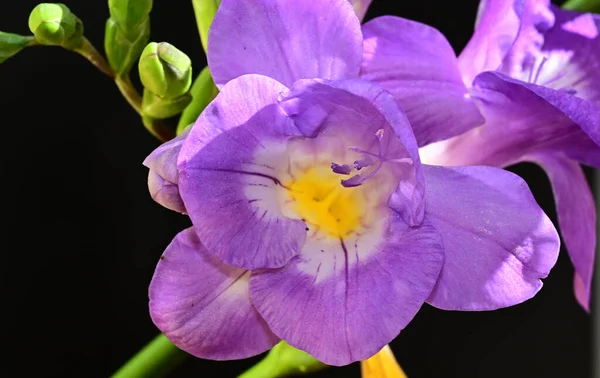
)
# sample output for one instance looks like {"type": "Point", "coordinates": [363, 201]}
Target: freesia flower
{"type": "Point", "coordinates": [533, 70]}
{"type": "Point", "coordinates": [314, 220]}
{"type": "Point", "coordinates": [382, 365]}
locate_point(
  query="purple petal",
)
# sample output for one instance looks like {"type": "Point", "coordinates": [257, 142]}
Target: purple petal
{"type": "Point", "coordinates": [228, 176]}
{"type": "Point", "coordinates": [572, 49]}
{"type": "Point", "coordinates": [360, 7]}
{"type": "Point", "coordinates": [203, 306]}
{"type": "Point", "coordinates": [163, 176]}
{"type": "Point", "coordinates": [576, 216]}
{"type": "Point", "coordinates": [418, 66]}
{"type": "Point", "coordinates": [286, 40]}
{"type": "Point", "coordinates": [498, 243]}
{"type": "Point", "coordinates": [344, 303]}
{"type": "Point", "coordinates": [361, 109]}
{"type": "Point", "coordinates": [507, 32]}
{"type": "Point", "coordinates": [521, 119]}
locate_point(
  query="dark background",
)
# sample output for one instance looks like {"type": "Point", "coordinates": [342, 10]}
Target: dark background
{"type": "Point", "coordinates": [82, 235]}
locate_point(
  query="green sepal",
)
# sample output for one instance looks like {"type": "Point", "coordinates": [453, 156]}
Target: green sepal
{"type": "Point", "coordinates": [129, 14]}
{"type": "Point", "coordinates": [205, 10]}
{"type": "Point", "coordinates": [121, 51]}
{"type": "Point", "coordinates": [160, 108]}
{"type": "Point", "coordinates": [284, 360]}
{"type": "Point", "coordinates": [10, 44]}
{"type": "Point", "coordinates": [164, 70]}
{"type": "Point", "coordinates": [203, 91]}
{"type": "Point", "coordinates": [53, 24]}
{"type": "Point", "coordinates": [583, 5]}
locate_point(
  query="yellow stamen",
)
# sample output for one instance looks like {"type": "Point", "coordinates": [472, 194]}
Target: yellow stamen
{"type": "Point", "coordinates": [382, 365]}
{"type": "Point", "coordinates": [320, 199]}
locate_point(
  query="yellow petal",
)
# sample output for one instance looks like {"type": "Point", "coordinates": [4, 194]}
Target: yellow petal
{"type": "Point", "coordinates": [382, 365]}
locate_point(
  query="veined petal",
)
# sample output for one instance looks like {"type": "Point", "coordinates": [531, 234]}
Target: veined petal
{"type": "Point", "coordinates": [508, 33]}
{"type": "Point", "coordinates": [571, 54]}
{"type": "Point", "coordinates": [522, 118]}
{"type": "Point", "coordinates": [228, 176]}
{"type": "Point", "coordinates": [163, 176]}
{"type": "Point", "coordinates": [285, 39]}
{"type": "Point", "coordinates": [382, 365]}
{"type": "Point", "coordinates": [361, 109]}
{"type": "Point", "coordinates": [498, 243]}
{"type": "Point", "coordinates": [418, 66]}
{"type": "Point", "coordinates": [203, 306]}
{"type": "Point", "coordinates": [344, 301]}
{"type": "Point", "coordinates": [576, 216]}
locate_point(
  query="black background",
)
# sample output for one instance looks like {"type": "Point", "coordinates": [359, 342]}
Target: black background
{"type": "Point", "coordinates": [82, 235]}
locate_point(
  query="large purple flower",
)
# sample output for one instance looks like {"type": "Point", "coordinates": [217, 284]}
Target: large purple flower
{"type": "Point", "coordinates": [534, 73]}
{"type": "Point", "coordinates": [314, 220]}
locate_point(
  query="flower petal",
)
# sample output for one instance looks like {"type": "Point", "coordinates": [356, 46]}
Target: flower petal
{"type": "Point", "coordinates": [286, 40]}
{"type": "Point", "coordinates": [163, 176]}
{"type": "Point", "coordinates": [498, 243]}
{"type": "Point", "coordinates": [572, 52]}
{"type": "Point", "coordinates": [507, 33]}
{"type": "Point", "coordinates": [382, 365]}
{"type": "Point", "coordinates": [418, 66]}
{"type": "Point", "coordinates": [228, 166]}
{"type": "Point", "coordinates": [361, 108]}
{"type": "Point", "coordinates": [576, 216]}
{"type": "Point", "coordinates": [521, 119]}
{"type": "Point", "coordinates": [203, 306]}
{"type": "Point", "coordinates": [343, 302]}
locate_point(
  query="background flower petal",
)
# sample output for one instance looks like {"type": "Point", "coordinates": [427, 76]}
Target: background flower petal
{"type": "Point", "coordinates": [203, 306]}
{"type": "Point", "coordinates": [285, 39]}
{"type": "Point", "coordinates": [228, 177]}
{"type": "Point", "coordinates": [498, 243]}
{"type": "Point", "coordinates": [343, 304]}
{"type": "Point", "coordinates": [417, 65]}
{"type": "Point", "coordinates": [576, 215]}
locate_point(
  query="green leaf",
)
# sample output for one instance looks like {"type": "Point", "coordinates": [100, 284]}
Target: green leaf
{"type": "Point", "coordinates": [583, 5]}
{"type": "Point", "coordinates": [10, 44]}
{"type": "Point", "coordinates": [205, 12]}
{"type": "Point", "coordinates": [203, 91]}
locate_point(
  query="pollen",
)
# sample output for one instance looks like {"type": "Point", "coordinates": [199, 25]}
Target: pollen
{"type": "Point", "coordinates": [326, 206]}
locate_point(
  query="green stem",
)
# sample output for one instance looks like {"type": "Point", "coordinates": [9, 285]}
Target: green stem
{"type": "Point", "coordinates": [283, 360]}
{"type": "Point", "coordinates": [130, 93]}
{"type": "Point", "coordinates": [88, 51]}
{"type": "Point", "coordinates": [263, 369]}
{"type": "Point", "coordinates": [583, 5]}
{"type": "Point", "coordinates": [156, 359]}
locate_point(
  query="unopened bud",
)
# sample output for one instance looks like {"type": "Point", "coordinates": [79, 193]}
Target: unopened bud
{"type": "Point", "coordinates": [164, 70]}
{"type": "Point", "coordinates": [54, 24]}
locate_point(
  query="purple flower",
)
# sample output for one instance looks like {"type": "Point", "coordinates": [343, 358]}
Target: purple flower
{"type": "Point", "coordinates": [314, 220]}
{"type": "Point", "coordinates": [533, 71]}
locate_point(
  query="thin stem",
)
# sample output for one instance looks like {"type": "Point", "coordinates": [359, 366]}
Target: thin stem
{"type": "Point", "coordinates": [156, 359]}
{"type": "Point", "coordinates": [263, 369]}
{"type": "Point", "coordinates": [130, 93]}
{"type": "Point", "coordinates": [88, 51]}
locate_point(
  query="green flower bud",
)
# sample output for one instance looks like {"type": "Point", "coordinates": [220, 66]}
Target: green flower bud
{"type": "Point", "coordinates": [54, 24]}
{"type": "Point", "coordinates": [123, 50]}
{"type": "Point", "coordinates": [203, 91]}
{"type": "Point", "coordinates": [161, 108]}
{"type": "Point", "coordinates": [164, 70]}
{"type": "Point", "coordinates": [129, 13]}
{"type": "Point", "coordinates": [10, 44]}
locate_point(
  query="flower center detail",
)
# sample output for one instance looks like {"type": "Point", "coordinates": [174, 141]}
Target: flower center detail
{"type": "Point", "coordinates": [325, 204]}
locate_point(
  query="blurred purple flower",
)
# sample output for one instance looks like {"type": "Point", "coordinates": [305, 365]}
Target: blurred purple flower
{"type": "Point", "coordinates": [533, 71]}
{"type": "Point", "coordinates": [314, 220]}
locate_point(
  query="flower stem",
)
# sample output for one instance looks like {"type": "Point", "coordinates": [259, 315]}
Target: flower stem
{"type": "Point", "coordinates": [156, 359]}
{"type": "Point", "coordinates": [89, 52]}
